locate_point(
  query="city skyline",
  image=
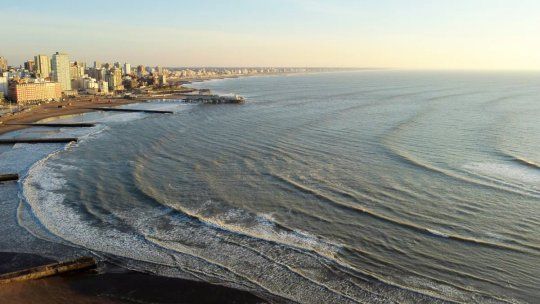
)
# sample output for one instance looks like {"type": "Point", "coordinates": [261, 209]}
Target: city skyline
{"type": "Point", "coordinates": [296, 33]}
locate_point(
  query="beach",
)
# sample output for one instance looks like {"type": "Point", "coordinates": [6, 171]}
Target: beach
{"type": "Point", "coordinates": [72, 106]}
{"type": "Point", "coordinates": [115, 286]}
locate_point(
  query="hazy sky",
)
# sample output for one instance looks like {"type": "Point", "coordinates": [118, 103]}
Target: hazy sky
{"type": "Point", "coordinates": [422, 34]}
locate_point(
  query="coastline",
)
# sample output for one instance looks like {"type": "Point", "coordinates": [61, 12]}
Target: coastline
{"type": "Point", "coordinates": [8, 123]}
{"type": "Point", "coordinates": [116, 286]}
{"type": "Point", "coordinates": [81, 104]}
{"type": "Point", "coordinates": [102, 287]}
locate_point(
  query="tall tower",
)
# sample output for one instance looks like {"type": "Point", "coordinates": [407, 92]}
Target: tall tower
{"type": "Point", "coordinates": [60, 70]}
{"type": "Point", "coordinates": [43, 65]}
{"type": "Point", "coordinates": [127, 68]}
{"type": "Point", "coordinates": [3, 64]}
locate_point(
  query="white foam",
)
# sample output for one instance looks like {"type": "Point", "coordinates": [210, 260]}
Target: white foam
{"type": "Point", "coordinates": [507, 172]}
{"type": "Point", "coordinates": [261, 227]}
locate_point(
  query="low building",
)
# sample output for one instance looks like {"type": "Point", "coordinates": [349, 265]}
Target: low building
{"type": "Point", "coordinates": [31, 92]}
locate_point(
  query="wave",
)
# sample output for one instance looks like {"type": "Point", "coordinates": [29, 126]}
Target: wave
{"type": "Point", "coordinates": [191, 251]}
{"type": "Point", "coordinates": [501, 185]}
{"type": "Point", "coordinates": [515, 175]}
{"type": "Point", "coordinates": [405, 224]}
{"type": "Point", "coordinates": [521, 160]}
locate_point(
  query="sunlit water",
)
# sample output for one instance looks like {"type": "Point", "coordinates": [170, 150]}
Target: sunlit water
{"type": "Point", "coordinates": [375, 186]}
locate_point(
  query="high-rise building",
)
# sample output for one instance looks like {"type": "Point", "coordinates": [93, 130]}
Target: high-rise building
{"type": "Point", "coordinates": [103, 87]}
{"type": "Point", "coordinates": [3, 64]}
{"type": "Point", "coordinates": [97, 65]}
{"type": "Point", "coordinates": [43, 66]}
{"type": "Point", "coordinates": [76, 70]}
{"type": "Point", "coordinates": [4, 84]}
{"type": "Point", "coordinates": [29, 65]}
{"type": "Point", "coordinates": [162, 80]}
{"type": "Point", "coordinates": [60, 70]}
{"type": "Point", "coordinates": [141, 71]}
{"type": "Point", "coordinates": [127, 68]}
{"type": "Point", "coordinates": [115, 79]}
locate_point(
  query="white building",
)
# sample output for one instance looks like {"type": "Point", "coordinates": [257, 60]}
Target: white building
{"type": "Point", "coordinates": [103, 87]}
{"type": "Point", "coordinates": [4, 84]}
{"type": "Point", "coordinates": [127, 69]}
{"type": "Point", "coordinates": [60, 70]}
{"type": "Point", "coordinates": [89, 83]}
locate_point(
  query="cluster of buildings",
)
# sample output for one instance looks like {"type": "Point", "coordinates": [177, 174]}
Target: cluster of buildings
{"type": "Point", "coordinates": [52, 78]}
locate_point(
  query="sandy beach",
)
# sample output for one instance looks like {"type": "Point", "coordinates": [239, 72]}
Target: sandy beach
{"type": "Point", "coordinates": [79, 105]}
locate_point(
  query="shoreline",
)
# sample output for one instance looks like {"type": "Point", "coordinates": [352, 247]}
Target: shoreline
{"type": "Point", "coordinates": [80, 104]}
{"type": "Point", "coordinates": [116, 286]}
{"type": "Point", "coordinates": [102, 287]}
{"type": "Point", "coordinates": [69, 107]}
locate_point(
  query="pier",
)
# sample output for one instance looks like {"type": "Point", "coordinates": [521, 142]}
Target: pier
{"type": "Point", "coordinates": [131, 110]}
{"type": "Point", "coordinates": [9, 177]}
{"type": "Point", "coordinates": [12, 141]}
{"type": "Point", "coordinates": [213, 99]}
{"type": "Point", "coordinates": [55, 125]}
{"type": "Point", "coordinates": [81, 264]}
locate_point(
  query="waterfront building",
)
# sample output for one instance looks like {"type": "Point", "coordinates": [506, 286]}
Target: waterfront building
{"type": "Point", "coordinates": [3, 64]}
{"type": "Point", "coordinates": [29, 65]}
{"type": "Point", "coordinates": [115, 79]}
{"type": "Point", "coordinates": [60, 70]}
{"type": "Point", "coordinates": [76, 70]}
{"type": "Point", "coordinates": [43, 66]}
{"type": "Point", "coordinates": [31, 92]}
{"type": "Point", "coordinates": [127, 69]}
{"type": "Point", "coordinates": [141, 71]}
{"type": "Point", "coordinates": [89, 83]}
{"type": "Point", "coordinates": [162, 80]}
{"type": "Point", "coordinates": [4, 84]}
{"type": "Point", "coordinates": [103, 87]}
{"type": "Point", "coordinates": [98, 74]}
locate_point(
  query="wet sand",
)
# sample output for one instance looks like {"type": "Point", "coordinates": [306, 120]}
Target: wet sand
{"type": "Point", "coordinates": [110, 288]}
{"type": "Point", "coordinates": [54, 109]}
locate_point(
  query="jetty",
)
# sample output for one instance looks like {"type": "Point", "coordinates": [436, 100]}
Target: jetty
{"type": "Point", "coordinates": [213, 99]}
{"type": "Point", "coordinates": [9, 177]}
{"type": "Point", "coordinates": [130, 110]}
{"type": "Point", "coordinates": [80, 264]}
{"type": "Point", "coordinates": [12, 141]}
{"type": "Point", "coordinates": [55, 125]}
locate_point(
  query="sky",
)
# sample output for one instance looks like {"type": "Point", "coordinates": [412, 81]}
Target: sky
{"type": "Point", "coordinates": [406, 34]}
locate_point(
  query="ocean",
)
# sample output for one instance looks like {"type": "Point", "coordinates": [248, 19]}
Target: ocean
{"type": "Point", "coordinates": [352, 187]}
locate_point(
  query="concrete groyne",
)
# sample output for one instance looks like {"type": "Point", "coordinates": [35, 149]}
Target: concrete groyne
{"type": "Point", "coordinates": [131, 110]}
{"type": "Point", "coordinates": [55, 125]}
{"type": "Point", "coordinates": [12, 141]}
{"type": "Point", "coordinates": [9, 177]}
{"type": "Point", "coordinates": [81, 264]}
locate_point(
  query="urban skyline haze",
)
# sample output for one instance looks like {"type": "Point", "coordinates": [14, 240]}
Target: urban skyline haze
{"type": "Point", "coordinates": [477, 34]}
